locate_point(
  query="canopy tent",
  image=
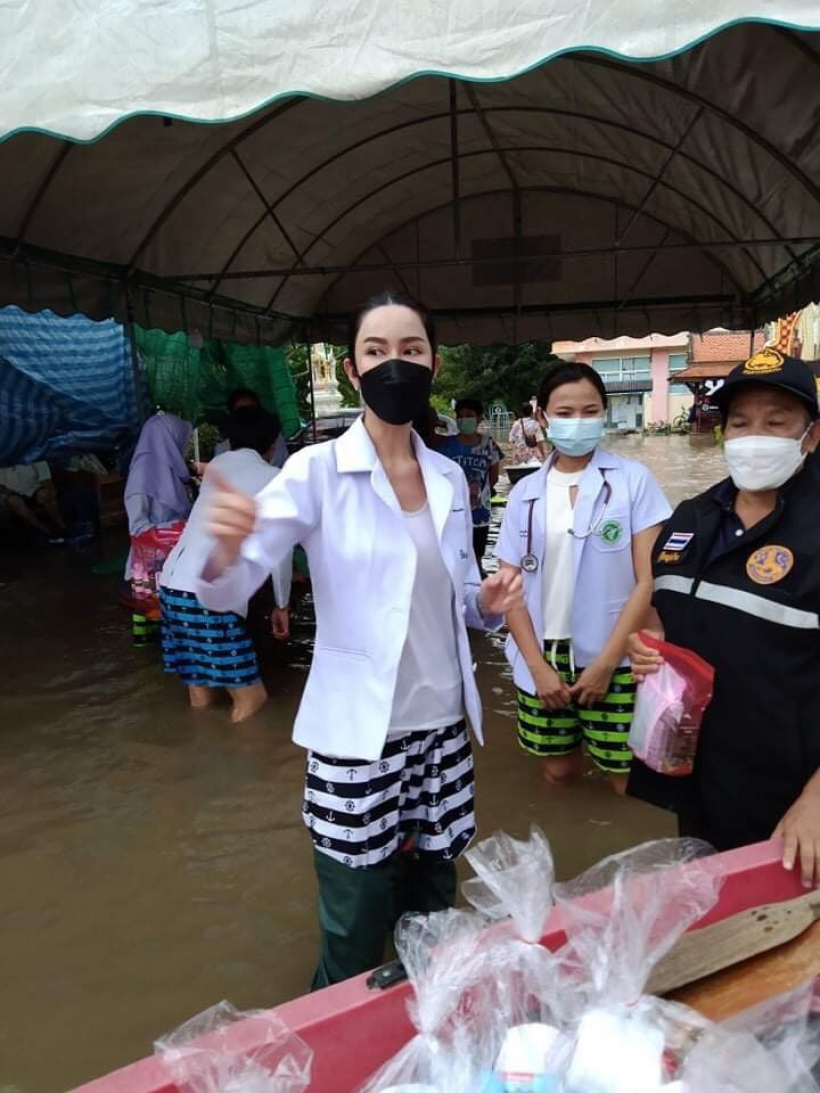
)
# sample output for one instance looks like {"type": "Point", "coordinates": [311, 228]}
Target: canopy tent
{"type": "Point", "coordinates": [532, 169]}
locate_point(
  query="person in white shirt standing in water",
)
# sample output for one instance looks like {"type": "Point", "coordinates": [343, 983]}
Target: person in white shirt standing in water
{"type": "Point", "coordinates": [580, 531]}
{"type": "Point", "coordinates": [209, 650]}
{"type": "Point", "coordinates": [387, 528]}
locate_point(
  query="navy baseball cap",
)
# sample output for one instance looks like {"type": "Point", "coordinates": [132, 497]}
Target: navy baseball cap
{"type": "Point", "coordinates": [771, 367]}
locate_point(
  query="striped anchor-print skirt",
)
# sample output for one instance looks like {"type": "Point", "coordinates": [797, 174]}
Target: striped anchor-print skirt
{"type": "Point", "coordinates": [418, 796]}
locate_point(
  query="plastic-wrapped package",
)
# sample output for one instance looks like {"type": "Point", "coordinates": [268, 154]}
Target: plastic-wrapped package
{"type": "Point", "coordinates": [669, 709]}
{"type": "Point", "coordinates": [772, 1046]}
{"type": "Point", "coordinates": [451, 1008]}
{"type": "Point", "coordinates": [514, 883]}
{"type": "Point", "coordinates": [202, 1058]}
{"type": "Point", "coordinates": [499, 1013]}
{"type": "Point", "coordinates": [625, 913]}
{"type": "Point", "coordinates": [621, 917]}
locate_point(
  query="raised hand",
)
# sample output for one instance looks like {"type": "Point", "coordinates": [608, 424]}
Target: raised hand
{"type": "Point", "coordinates": [502, 593]}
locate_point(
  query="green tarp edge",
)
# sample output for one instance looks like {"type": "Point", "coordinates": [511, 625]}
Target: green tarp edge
{"type": "Point", "coordinates": [193, 377]}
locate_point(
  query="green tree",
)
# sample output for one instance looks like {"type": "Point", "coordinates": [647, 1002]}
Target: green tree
{"type": "Point", "coordinates": [510, 374]}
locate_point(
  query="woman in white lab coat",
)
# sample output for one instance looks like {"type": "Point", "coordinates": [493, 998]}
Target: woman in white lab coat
{"type": "Point", "coordinates": [386, 524]}
{"type": "Point", "coordinates": [581, 531]}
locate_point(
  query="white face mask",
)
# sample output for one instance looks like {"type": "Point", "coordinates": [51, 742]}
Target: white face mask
{"type": "Point", "coordinates": [575, 436]}
{"type": "Point", "coordinates": [763, 462]}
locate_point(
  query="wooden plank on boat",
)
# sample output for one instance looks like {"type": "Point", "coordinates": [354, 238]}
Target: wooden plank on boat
{"type": "Point", "coordinates": [703, 952]}
{"type": "Point", "coordinates": [735, 989]}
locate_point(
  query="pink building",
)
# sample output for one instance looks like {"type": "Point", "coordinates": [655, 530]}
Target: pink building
{"type": "Point", "coordinates": [637, 374]}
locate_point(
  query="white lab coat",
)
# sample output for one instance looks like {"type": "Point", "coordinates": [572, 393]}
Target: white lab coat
{"type": "Point", "coordinates": [336, 500]}
{"type": "Point", "coordinates": [604, 572]}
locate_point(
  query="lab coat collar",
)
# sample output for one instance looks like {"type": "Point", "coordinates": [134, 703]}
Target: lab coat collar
{"type": "Point", "coordinates": [356, 452]}
{"type": "Point", "coordinates": [535, 484]}
{"type": "Point", "coordinates": [602, 460]}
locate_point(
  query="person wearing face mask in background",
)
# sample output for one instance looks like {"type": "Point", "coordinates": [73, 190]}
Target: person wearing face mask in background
{"type": "Point", "coordinates": [479, 457]}
{"type": "Point", "coordinates": [737, 579]}
{"type": "Point", "coordinates": [580, 532]}
{"type": "Point", "coordinates": [385, 523]}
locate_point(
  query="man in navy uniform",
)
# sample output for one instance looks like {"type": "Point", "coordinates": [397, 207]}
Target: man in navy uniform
{"type": "Point", "coordinates": [737, 579]}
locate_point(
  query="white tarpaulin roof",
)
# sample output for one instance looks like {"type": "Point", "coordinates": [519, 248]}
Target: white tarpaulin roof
{"type": "Point", "coordinates": [521, 196]}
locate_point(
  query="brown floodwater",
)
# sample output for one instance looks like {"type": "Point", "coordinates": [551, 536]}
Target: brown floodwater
{"type": "Point", "coordinates": [153, 860]}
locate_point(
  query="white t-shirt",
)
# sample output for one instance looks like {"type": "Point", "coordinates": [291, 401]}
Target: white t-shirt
{"type": "Point", "coordinates": [429, 691]}
{"type": "Point", "coordinates": [247, 471]}
{"type": "Point", "coordinates": [559, 566]}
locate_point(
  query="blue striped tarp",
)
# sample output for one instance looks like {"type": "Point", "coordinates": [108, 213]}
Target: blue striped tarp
{"type": "Point", "coordinates": [66, 385]}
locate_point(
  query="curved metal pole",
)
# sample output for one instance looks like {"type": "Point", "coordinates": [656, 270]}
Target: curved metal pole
{"type": "Point", "coordinates": [201, 172]}
{"type": "Point", "coordinates": [319, 235]}
{"type": "Point", "coordinates": [488, 110]}
{"type": "Point", "coordinates": [639, 73]}
{"type": "Point", "coordinates": [723, 269]}
{"type": "Point", "coordinates": [42, 189]}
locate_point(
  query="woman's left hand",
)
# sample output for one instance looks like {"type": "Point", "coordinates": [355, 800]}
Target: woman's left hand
{"type": "Point", "coordinates": [501, 593]}
{"type": "Point", "coordinates": [592, 684]}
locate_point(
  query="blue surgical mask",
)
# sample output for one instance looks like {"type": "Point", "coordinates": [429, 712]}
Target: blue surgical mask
{"type": "Point", "coordinates": [575, 436]}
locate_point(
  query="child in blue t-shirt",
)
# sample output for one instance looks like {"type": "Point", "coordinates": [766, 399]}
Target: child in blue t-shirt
{"type": "Point", "coordinates": [479, 457]}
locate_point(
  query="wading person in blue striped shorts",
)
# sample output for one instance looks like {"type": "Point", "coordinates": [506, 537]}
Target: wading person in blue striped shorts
{"type": "Point", "coordinates": [212, 650]}
{"type": "Point", "coordinates": [386, 526]}
{"type": "Point", "coordinates": [580, 531]}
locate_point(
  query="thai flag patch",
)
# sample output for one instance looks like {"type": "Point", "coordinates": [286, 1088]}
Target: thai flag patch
{"type": "Point", "coordinates": [679, 540]}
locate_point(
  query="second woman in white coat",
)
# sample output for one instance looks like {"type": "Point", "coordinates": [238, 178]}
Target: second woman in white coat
{"type": "Point", "coordinates": [581, 531]}
{"type": "Point", "coordinates": [387, 528]}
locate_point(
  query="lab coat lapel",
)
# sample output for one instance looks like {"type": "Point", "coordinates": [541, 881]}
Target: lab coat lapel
{"type": "Point", "coordinates": [587, 507]}
{"type": "Point", "coordinates": [383, 488]}
{"type": "Point", "coordinates": [355, 452]}
{"type": "Point", "coordinates": [534, 494]}
{"type": "Point", "coordinates": [440, 492]}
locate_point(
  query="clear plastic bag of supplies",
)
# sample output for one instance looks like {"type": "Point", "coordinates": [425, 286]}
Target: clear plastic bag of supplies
{"type": "Point", "coordinates": [223, 1050]}
{"type": "Point", "coordinates": [440, 953]}
{"type": "Point", "coordinates": [773, 1046]}
{"type": "Point", "coordinates": [514, 885]}
{"type": "Point", "coordinates": [669, 709]}
{"type": "Point", "coordinates": [620, 918]}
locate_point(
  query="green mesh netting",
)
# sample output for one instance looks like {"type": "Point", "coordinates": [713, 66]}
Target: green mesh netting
{"type": "Point", "coordinates": [195, 382]}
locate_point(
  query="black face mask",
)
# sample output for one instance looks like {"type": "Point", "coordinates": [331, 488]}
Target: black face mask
{"type": "Point", "coordinates": [397, 390]}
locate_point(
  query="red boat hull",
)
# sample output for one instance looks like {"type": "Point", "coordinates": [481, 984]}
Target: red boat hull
{"type": "Point", "coordinates": [353, 1030]}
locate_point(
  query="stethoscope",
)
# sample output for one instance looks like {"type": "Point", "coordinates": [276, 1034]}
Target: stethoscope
{"type": "Point", "coordinates": [529, 563]}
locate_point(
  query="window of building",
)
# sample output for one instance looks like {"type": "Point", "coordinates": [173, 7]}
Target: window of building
{"type": "Point", "coordinates": [621, 369]}
{"type": "Point", "coordinates": [677, 363]}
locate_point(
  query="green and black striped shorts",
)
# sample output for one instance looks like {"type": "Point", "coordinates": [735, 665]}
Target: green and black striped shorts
{"type": "Point", "coordinates": [603, 726]}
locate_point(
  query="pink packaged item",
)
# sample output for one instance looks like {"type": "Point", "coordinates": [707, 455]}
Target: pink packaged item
{"type": "Point", "coordinates": [669, 709]}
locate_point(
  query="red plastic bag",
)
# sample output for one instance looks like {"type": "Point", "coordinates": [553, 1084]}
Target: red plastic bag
{"type": "Point", "coordinates": [149, 550]}
{"type": "Point", "coordinates": [669, 709]}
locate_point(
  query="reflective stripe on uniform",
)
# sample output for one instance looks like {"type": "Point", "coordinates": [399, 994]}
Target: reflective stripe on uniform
{"type": "Point", "coordinates": [758, 606]}
{"type": "Point", "coordinates": [674, 584]}
{"type": "Point", "coordinates": [748, 602]}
